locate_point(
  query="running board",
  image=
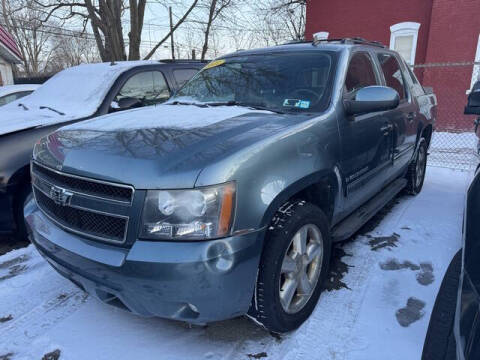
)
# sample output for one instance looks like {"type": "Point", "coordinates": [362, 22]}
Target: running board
{"type": "Point", "coordinates": [357, 219]}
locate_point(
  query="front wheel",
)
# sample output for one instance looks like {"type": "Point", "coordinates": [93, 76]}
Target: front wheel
{"type": "Point", "coordinates": [293, 267]}
{"type": "Point", "coordinates": [417, 169]}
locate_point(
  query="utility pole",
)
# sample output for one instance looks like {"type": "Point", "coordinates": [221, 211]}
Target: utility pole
{"type": "Point", "coordinates": [171, 33]}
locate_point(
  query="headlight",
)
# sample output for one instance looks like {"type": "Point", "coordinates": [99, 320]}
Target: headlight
{"type": "Point", "coordinates": [199, 214]}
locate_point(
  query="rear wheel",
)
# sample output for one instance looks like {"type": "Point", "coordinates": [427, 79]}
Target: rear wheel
{"type": "Point", "coordinates": [417, 169]}
{"type": "Point", "coordinates": [293, 267]}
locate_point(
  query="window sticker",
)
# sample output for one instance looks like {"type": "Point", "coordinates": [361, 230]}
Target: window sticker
{"type": "Point", "coordinates": [296, 103]}
{"type": "Point", "coordinates": [214, 64]}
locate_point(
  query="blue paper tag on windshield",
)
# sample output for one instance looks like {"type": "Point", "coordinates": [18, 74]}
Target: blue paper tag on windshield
{"type": "Point", "coordinates": [301, 104]}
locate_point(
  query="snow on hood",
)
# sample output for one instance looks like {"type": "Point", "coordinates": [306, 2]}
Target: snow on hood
{"type": "Point", "coordinates": [162, 116]}
{"type": "Point", "coordinates": [77, 92]}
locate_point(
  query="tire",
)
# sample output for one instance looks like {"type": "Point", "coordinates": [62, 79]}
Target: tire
{"type": "Point", "coordinates": [24, 195]}
{"type": "Point", "coordinates": [416, 170]}
{"type": "Point", "coordinates": [440, 340]}
{"type": "Point", "coordinates": [270, 305]}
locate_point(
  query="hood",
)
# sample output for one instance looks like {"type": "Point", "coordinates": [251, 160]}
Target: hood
{"type": "Point", "coordinates": [14, 117]}
{"type": "Point", "coordinates": [158, 147]}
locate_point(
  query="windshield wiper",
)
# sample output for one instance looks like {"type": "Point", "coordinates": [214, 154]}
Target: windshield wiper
{"type": "Point", "coordinates": [23, 106]}
{"type": "Point", "coordinates": [176, 102]}
{"type": "Point", "coordinates": [252, 106]}
{"type": "Point", "coordinates": [51, 109]}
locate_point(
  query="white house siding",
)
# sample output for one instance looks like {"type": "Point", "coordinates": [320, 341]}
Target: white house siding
{"type": "Point", "coordinates": [6, 72]}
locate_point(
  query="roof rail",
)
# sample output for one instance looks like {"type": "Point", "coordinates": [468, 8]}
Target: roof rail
{"type": "Point", "coordinates": [183, 61]}
{"type": "Point", "coordinates": [291, 42]}
{"type": "Point", "coordinates": [355, 40]}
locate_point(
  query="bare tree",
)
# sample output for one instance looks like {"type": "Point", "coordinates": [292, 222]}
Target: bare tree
{"type": "Point", "coordinates": [172, 29]}
{"type": "Point", "coordinates": [105, 19]}
{"type": "Point", "coordinates": [216, 8]}
{"type": "Point", "coordinates": [281, 20]}
{"type": "Point", "coordinates": [71, 49]}
{"type": "Point", "coordinates": [23, 19]}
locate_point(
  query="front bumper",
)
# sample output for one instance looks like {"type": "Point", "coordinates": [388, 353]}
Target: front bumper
{"type": "Point", "coordinates": [197, 282]}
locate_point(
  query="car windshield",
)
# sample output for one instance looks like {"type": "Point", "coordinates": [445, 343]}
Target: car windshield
{"type": "Point", "coordinates": [299, 82]}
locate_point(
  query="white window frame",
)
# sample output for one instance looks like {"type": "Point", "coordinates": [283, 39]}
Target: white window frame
{"type": "Point", "coordinates": [476, 68]}
{"type": "Point", "coordinates": [405, 29]}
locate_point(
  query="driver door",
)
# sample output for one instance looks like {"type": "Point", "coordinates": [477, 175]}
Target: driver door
{"type": "Point", "coordinates": [366, 139]}
{"type": "Point", "coordinates": [141, 89]}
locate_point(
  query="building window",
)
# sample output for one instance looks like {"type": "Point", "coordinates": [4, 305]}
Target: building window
{"type": "Point", "coordinates": [403, 39]}
{"type": "Point", "coordinates": [476, 66]}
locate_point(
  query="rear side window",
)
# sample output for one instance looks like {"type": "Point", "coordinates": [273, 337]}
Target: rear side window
{"type": "Point", "coordinates": [183, 75]}
{"type": "Point", "coordinates": [393, 74]}
{"type": "Point", "coordinates": [360, 72]}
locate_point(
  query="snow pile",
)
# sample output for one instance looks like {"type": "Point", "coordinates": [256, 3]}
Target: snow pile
{"type": "Point", "coordinates": [382, 291]}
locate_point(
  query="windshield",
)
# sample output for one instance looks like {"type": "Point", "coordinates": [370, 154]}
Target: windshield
{"type": "Point", "coordinates": [280, 82]}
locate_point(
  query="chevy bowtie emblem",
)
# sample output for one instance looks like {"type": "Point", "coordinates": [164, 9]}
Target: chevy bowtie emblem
{"type": "Point", "coordinates": [60, 196]}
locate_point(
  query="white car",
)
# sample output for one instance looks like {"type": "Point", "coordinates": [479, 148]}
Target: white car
{"type": "Point", "coordinates": [10, 93]}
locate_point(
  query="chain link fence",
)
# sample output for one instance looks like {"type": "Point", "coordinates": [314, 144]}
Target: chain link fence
{"type": "Point", "coordinates": [454, 143]}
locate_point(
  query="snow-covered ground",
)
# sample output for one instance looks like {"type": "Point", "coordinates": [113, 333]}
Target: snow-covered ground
{"type": "Point", "coordinates": [382, 291]}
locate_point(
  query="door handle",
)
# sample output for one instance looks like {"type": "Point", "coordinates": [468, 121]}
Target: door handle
{"type": "Point", "coordinates": [386, 128]}
{"type": "Point", "coordinates": [411, 116]}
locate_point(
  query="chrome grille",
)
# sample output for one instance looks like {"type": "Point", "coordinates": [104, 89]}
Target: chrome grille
{"type": "Point", "coordinates": [91, 187]}
{"type": "Point", "coordinates": [72, 205]}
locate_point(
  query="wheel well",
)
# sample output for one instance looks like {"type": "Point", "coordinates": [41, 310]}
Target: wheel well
{"type": "Point", "coordinates": [427, 134]}
{"type": "Point", "coordinates": [21, 178]}
{"type": "Point", "coordinates": [320, 194]}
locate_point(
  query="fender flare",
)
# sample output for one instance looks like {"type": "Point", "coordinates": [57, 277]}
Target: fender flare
{"type": "Point", "coordinates": [330, 175]}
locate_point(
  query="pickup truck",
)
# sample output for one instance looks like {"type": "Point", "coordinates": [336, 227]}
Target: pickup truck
{"type": "Point", "coordinates": [226, 199]}
{"type": "Point", "coordinates": [74, 94]}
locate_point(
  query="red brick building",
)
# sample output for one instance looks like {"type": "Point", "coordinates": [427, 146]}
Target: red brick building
{"type": "Point", "coordinates": [425, 32]}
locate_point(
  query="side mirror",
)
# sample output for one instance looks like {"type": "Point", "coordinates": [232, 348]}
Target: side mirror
{"type": "Point", "coordinates": [372, 99]}
{"type": "Point", "coordinates": [127, 103]}
{"type": "Point", "coordinates": [473, 105]}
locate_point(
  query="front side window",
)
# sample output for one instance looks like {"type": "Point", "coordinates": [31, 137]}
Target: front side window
{"type": "Point", "coordinates": [292, 81]}
{"type": "Point", "coordinates": [149, 87]}
{"type": "Point", "coordinates": [392, 73]}
{"type": "Point", "coordinates": [360, 73]}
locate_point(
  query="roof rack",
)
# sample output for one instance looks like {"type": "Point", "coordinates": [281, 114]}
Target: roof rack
{"type": "Point", "coordinates": [352, 41]}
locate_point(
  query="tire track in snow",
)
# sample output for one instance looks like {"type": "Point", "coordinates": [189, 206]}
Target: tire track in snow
{"type": "Point", "coordinates": [22, 331]}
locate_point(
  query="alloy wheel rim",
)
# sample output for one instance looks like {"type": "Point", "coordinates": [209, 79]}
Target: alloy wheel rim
{"type": "Point", "coordinates": [420, 170]}
{"type": "Point", "coordinates": [301, 268]}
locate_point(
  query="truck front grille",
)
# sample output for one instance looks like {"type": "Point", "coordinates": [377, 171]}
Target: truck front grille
{"type": "Point", "coordinates": [90, 187]}
{"type": "Point", "coordinates": [81, 205]}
